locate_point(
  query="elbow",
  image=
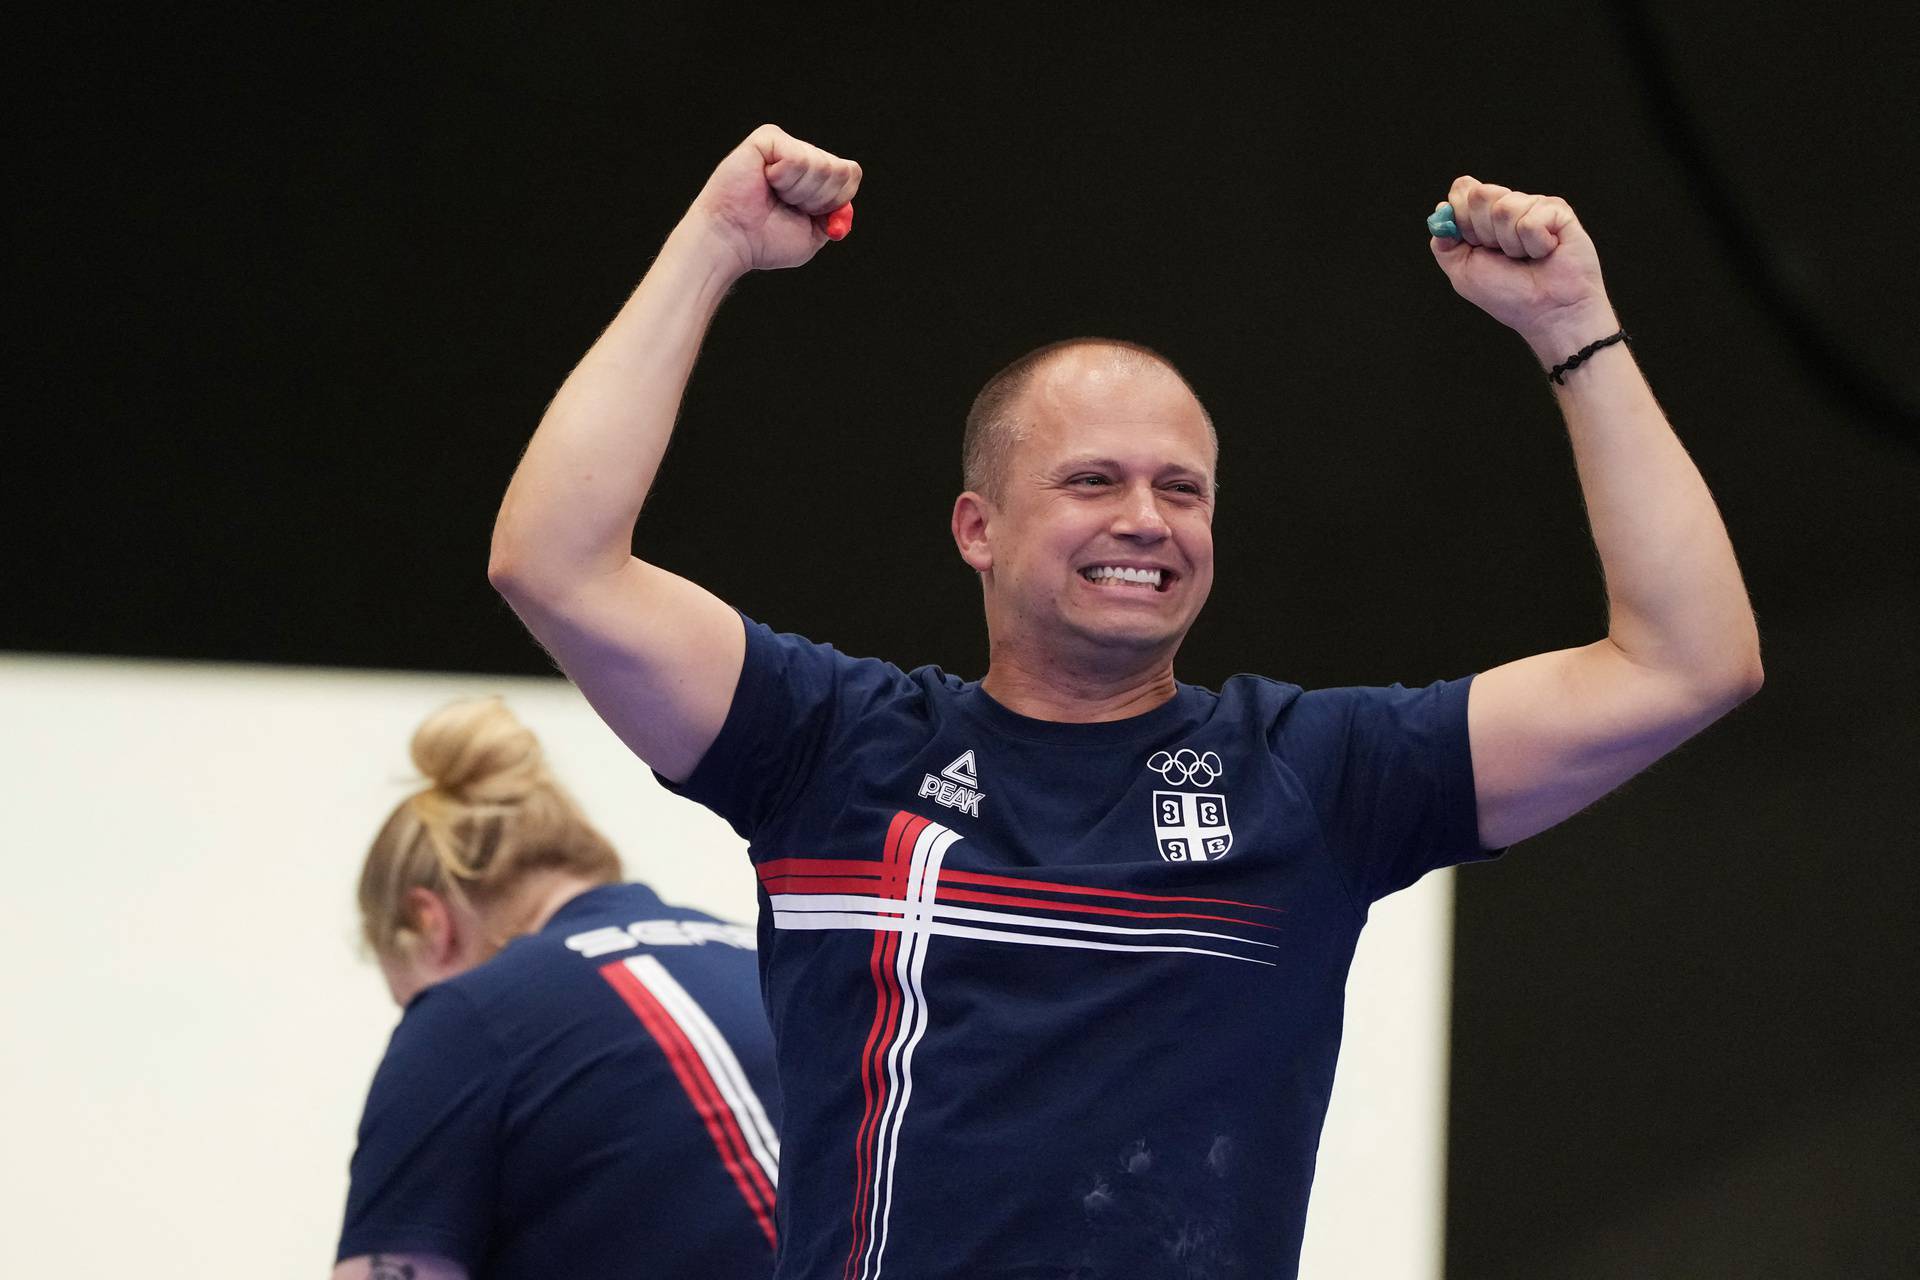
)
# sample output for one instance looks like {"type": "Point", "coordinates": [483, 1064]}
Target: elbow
{"type": "Point", "coordinates": [506, 568]}
{"type": "Point", "coordinates": [528, 574]}
{"type": "Point", "coordinates": [1748, 672]}
{"type": "Point", "coordinates": [504, 583]}
{"type": "Point", "coordinates": [502, 572]}
{"type": "Point", "coordinates": [1739, 679]}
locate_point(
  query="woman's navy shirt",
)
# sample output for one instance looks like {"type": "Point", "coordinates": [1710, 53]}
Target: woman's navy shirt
{"type": "Point", "coordinates": [598, 1099]}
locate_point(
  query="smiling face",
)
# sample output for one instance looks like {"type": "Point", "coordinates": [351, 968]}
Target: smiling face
{"type": "Point", "coordinates": [1097, 550]}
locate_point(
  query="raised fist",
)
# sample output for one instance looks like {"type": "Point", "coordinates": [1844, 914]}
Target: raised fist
{"type": "Point", "coordinates": [1526, 261]}
{"type": "Point", "coordinates": [769, 199]}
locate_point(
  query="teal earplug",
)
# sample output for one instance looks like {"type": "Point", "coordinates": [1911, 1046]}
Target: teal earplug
{"type": "Point", "coordinates": [1440, 224]}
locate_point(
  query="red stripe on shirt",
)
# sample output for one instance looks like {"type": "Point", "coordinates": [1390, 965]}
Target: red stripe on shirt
{"type": "Point", "coordinates": [827, 866]}
{"type": "Point", "coordinates": [865, 886]}
{"type": "Point", "coordinates": [888, 1002]}
{"type": "Point", "coordinates": [1016, 882]}
{"type": "Point", "coordinates": [872, 1067]}
{"type": "Point", "coordinates": [722, 1126]}
{"type": "Point", "coordinates": [1013, 900]}
{"type": "Point", "coordinates": [868, 888]}
{"type": "Point", "coordinates": [873, 1082]}
{"type": "Point", "coordinates": [856, 875]}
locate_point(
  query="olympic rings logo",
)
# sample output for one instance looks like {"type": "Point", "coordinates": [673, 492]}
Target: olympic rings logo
{"type": "Point", "coordinates": [1185, 765]}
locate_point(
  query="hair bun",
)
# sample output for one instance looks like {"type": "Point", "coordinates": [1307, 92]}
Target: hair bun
{"type": "Point", "coordinates": [478, 752]}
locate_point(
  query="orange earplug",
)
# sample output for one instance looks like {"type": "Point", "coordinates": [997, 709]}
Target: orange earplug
{"type": "Point", "coordinates": [839, 222]}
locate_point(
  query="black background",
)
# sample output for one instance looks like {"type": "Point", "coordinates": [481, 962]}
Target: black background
{"type": "Point", "coordinates": [292, 292]}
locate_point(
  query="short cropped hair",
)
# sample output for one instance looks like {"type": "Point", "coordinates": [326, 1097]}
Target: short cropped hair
{"type": "Point", "coordinates": [994, 425]}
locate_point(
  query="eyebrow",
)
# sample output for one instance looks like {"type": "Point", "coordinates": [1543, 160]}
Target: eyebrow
{"type": "Point", "coordinates": [1114, 464]}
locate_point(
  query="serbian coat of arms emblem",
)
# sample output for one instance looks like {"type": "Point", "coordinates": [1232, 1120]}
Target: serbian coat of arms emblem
{"type": "Point", "coordinates": [1190, 826]}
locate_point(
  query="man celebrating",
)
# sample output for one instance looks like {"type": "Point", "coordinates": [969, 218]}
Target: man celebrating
{"type": "Point", "coordinates": [1055, 960]}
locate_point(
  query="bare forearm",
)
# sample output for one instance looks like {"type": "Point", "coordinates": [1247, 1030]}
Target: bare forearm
{"type": "Point", "coordinates": [1676, 602]}
{"type": "Point", "coordinates": [1553, 732]}
{"type": "Point", "coordinates": [573, 502]}
{"type": "Point", "coordinates": [398, 1266]}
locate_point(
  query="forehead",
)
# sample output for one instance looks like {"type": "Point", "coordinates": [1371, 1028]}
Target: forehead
{"type": "Point", "coordinates": [1099, 401]}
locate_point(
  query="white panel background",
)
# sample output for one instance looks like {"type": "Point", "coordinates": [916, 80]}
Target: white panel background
{"type": "Point", "coordinates": [189, 1027]}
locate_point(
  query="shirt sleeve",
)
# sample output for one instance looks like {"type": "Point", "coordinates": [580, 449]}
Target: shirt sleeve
{"type": "Point", "coordinates": [425, 1170]}
{"type": "Point", "coordinates": [794, 701]}
{"type": "Point", "coordinates": [1390, 773]}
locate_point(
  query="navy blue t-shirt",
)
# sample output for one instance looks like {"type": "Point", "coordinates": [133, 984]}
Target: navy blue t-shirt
{"type": "Point", "coordinates": [598, 1099]}
{"type": "Point", "coordinates": [1064, 1000]}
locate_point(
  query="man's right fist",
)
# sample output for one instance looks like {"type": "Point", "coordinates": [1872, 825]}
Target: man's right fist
{"type": "Point", "coordinates": [768, 201]}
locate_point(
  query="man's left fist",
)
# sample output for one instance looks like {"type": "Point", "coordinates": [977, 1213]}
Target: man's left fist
{"type": "Point", "coordinates": [1526, 261]}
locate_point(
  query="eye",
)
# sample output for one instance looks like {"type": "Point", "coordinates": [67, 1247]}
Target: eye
{"type": "Point", "coordinates": [1187, 487]}
{"type": "Point", "coordinates": [1090, 478]}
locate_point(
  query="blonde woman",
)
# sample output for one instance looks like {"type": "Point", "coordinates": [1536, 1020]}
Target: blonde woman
{"type": "Point", "coordinates": [582, 1081]}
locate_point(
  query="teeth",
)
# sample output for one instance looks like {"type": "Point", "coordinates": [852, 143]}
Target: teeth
{"type": "Point", "coordinates": [1108, 573]}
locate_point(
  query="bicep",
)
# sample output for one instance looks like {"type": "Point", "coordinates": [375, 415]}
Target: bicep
{"type": "Point", "coordinates": [398, 1266]}
{"type": "Point", "coordinates": [656, 655]}
{"type": "Point", "coordinates": [1553, 733]}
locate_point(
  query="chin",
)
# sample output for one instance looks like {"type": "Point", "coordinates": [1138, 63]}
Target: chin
{"type": "Point", "coordinates": [1119, 637]}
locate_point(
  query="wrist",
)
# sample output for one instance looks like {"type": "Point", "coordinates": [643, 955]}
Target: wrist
{"type": "Point", "coordinates": [698, 245]}
{"type": "Point", "coordinates": [1561, 333]}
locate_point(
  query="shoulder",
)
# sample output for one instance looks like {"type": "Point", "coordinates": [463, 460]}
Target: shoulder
{"type": "Point", "coordinates": [1257, 700]}
{"type": "Point", "coordinates": [935, 688]}
{"type": "Point", "coordinates": [471, 1005]}
{"type": "Point", "coordinates": [788, 648]}
{"type": "Point", "coordinates": [1302, 722]}
{"type": "Point", "coordinates": [1247, 689]}
{"type": "Point", "coordinates": [449, 1010]}
{"type": "Point", "coordinates": [541, 983]}
{"type": "Point", "coordinates": [1367, 718]}
{"type": "Point", "coordinates": [784, 664]}
{"type": "Point", "coordinates": [629, 919]}
{"type": "Point", "coordinates": [443, 1043]}
{"type": "Point", "coordinates": [800, 667]}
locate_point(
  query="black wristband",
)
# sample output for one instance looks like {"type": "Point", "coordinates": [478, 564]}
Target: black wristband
{"type": "Point", "coordinates": [1558, 375]}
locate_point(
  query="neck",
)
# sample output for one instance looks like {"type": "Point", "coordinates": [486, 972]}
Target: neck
{"type": "Point", "coordinates": [1051, 692]}
{"type": "Point", "coordinates": [534, 903]}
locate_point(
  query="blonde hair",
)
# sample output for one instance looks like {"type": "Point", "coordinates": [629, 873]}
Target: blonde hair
{"type": "Point", "coordinates": [490, 815]}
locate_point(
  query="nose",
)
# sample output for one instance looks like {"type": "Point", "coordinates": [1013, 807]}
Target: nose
{"type": "Point", "coordinates": [1139, 517]}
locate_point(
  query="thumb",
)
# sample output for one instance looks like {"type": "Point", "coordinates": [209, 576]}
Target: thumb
{"type": "Point", "coordinates": [1451, 254]}
{"type": "Point", "coordinates": [1444, 240]}
{"type": "Point", "coordinates": [836, 224]}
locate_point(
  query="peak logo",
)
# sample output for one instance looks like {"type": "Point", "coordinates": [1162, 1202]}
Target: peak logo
{"type": "Point", "coordinates": [957, 786]}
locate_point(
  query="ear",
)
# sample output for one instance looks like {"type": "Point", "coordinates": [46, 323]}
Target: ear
{"type": "Point", "coordinates": [971, 518]}
{"type": "Point", "coordinates": [434, 920]}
